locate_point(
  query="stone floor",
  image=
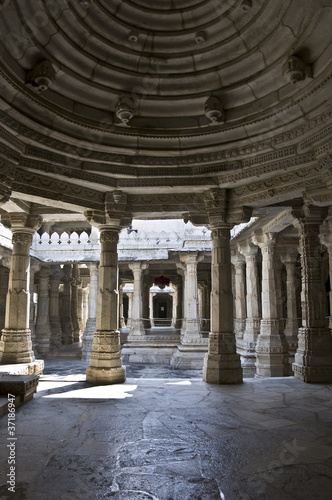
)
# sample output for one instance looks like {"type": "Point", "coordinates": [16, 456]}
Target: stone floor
{"type": "Point", "coordinates": [166, 435]}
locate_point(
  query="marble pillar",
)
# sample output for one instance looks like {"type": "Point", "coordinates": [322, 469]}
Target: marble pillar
{"type": "Point", "coordinates": [121, 314]}
{"type": "Point", "coordinates": [326, 238]}
{"type": "Point", "coordinates": [90, 325]}
{"type": "Point", "coordinates": [130, 309]}
{"type": "Point", "coordinates": [16, 345]}
{"type": "Point", "coordinates": [292, 321]}
{"type": "Point", "coordinates": [313, 358]}
{"type": "Point", "coordinates": [74, 303]}
{"type": "Point", "coordinates": [66, 322]}
{"type": "Point", "coordinates": [179, 299]}
{"type": "Point", "coordinates": [4, 278]}
{"type": "Point", "coordinates": [80, 308]}
{"type": "Point", "coordinates": [147, 283]}
{"type": "Point", "coordinates": [43, 326]}
{"type": "Point", "coordinates": [253, 308]}
{"type": "Point", "coordinates": [34, 267]}
{"type": "Point", "coordinates": [137, 330]}
{"type": "Point", "coordinates": [151, 309]}
{"type": "Point", "coordinates": [240, 308]}
{"type": "Point", "coordinates": [55, 277]}
{"type": "Point", "coordinates": [193, 346]}
{"type": "Point", "coordinates": [105, 361]}
{"type": "Point", "coordinates": [85, 291]}
{"type": "Point", "coordinates": [222, 364]}
{"type": "Point", "coordinates": [271, 347]}
{"type": "Point", "coordinates": [190, 333]}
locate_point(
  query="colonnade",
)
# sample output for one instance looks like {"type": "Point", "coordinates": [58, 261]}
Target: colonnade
{"type": "Point", "coordinates": [260, 317]}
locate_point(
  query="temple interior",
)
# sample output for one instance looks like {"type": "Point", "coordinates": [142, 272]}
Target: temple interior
{"type": "Point", "coordinates": [166, 249]}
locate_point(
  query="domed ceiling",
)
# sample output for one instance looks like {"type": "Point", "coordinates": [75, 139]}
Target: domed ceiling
{"type": "Point", "coordinates": [166, 97]}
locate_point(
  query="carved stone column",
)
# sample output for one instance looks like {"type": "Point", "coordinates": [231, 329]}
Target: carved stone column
{"type": "Point", "coordinates": [122, 320]}
{"type": "Point", "coordinates": [34, 267]}
{"type": "Point", "coordinates": [74, 303]}
{"type": "Point", "coordinates": [222, 364]}
{"type": "Point", "coordinates": [313, 358]}
{"type": "Point", "coordinates": [174, 307]}
{"type": "Point", "coordinates": [55, 277]}
{"type": "Point", "coordinates": [105, 362]}
{"type": "Point", "coordinates": [85, 291]}
{"type": "Point", "coordinates": [190, 334]}
{"type": "Point", "coordinates": [80, 308]}
{"type": "Point", "coordinates": [326, 238]}
{"type": "Point", "coordinates": [130, 309]}
{"type": "Point", "coordinates": [137, 330]}
{"type": "Point", "coordinates": [66, 322]}
{"type": "Point", "coordinates": [292, 321]}
{"type": "Point", "coordinates": [147, 283]}
{"type": "Point", "coordinates": [4, 278]}
{"type": "Point", "coordinates": [239, 264]}
{"type": "Point", "coordinates": [90, 326]}
{"type": "Point", "coordinates": [151, 309]}
{"type": "Point", "coordinates": [179, 298]}
{"type": "Point", "coordinates": [16, 345]}
{"type": "Point", "coordinates": [271, 348]}
{"type": "Point", "coordinates": [247, 348]}
{"type": "Point", "coordinates": [43, 327]}
{"type": "Point", "coordinates": [190, 353]}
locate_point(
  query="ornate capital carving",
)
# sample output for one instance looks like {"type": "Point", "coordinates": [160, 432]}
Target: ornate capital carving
{"type": "Point", "coordinates": [115, 211]}
{"type": "Point", "coordinates": [109, 234]}
{"type": "Point", "coordinates": [17, 221]}
{"type": "Point", "coordinates": [309, 214]}
{"type": "Point", "coordinates": [22, 238]}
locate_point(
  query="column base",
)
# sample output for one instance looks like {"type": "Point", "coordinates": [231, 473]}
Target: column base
{"type": "Point", "coordinates": [247, 353]}
{"type": "Point", "coordinates": [189, 357]}
{"type": "Point", "coordinates": [105, 361]}
{"type": "Point", "coordinates": [313, 359]}
{"type": "Point", "coordinates": [105, 376]}
{"type": "Point", "coordinates": [271, 351]}
{"type": "Point", "coordinates": [137, 331]}
{"type": "Point", "coordinates": [222, 369]}
{"type": "Point", "coordinates": [87, 339]}
{"type": "Point", "coordinates": [16, 347]}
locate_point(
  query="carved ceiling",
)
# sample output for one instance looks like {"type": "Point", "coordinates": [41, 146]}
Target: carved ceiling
{"type": "Point", "coordinates": [162, 98]}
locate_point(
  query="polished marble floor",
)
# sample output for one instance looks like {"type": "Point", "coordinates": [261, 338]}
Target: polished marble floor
{"type": "Point", "coordinates": [166, 435]}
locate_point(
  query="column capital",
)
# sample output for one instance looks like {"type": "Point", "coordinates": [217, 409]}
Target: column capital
{"type": "Point", "coordinates": [115, 213]}
{"type": "Point", "coordinates": [138, 266]}
{"type": "Point", "coordinates": [219, 211]}
{"type": "Point", "coordinates": [189, 257]}
{"type": "Point", "coordinates": [237, 258]}
{"type": "Point", "coordinates": [263, 240]}
{"type": "Point", "coordinates": [21, 222]}
{"type": "Point", "coordinates": [309, 214]}
{"type": "Point", "coordinates": [44, 272]}
{"type": "Point", "coordinates": [289, 258]}
{"type": "Point", "coordinates": [248, 249]}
